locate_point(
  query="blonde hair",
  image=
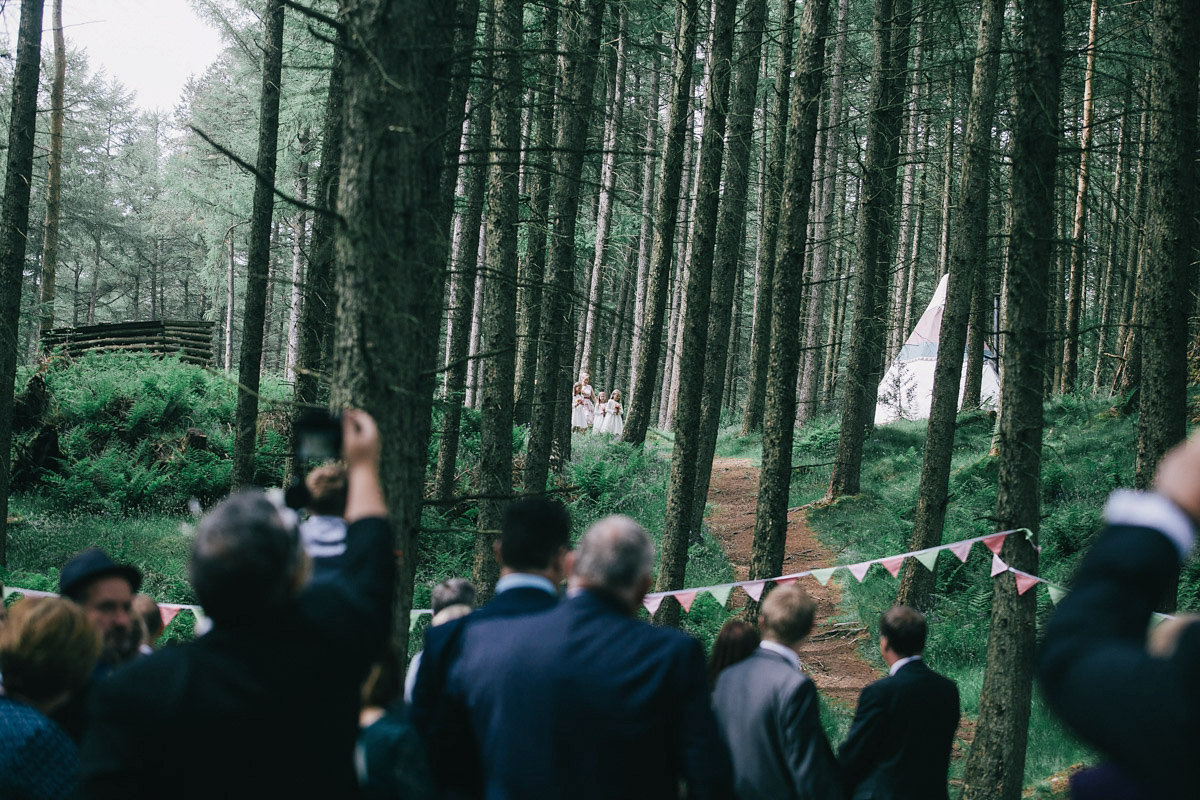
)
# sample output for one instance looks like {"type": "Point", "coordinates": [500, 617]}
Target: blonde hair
{"type": "Point", "coordinates": [616, 395]}
{"type": "Point", "coordinates": [787, 614]}
{"type": "Point", "coordinates": [48, 647]}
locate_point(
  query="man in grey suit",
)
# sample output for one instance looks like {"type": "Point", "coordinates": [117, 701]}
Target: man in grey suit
{"type": "Point", "coordinates": [768, 710]}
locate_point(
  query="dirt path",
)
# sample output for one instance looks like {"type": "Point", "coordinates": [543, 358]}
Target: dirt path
{"type": "Point", "coordinates": [830, 656]}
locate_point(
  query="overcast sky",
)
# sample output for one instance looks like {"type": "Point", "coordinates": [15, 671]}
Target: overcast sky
{"type": "Point", "coordinates": [151, 46]}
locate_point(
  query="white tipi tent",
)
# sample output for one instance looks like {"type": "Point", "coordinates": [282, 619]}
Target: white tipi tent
{"type": "Point", "coordinates": [906, 391]}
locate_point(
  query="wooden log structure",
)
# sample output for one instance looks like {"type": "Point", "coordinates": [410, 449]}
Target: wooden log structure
{"type": "Point", "coordinates": [189, 339]}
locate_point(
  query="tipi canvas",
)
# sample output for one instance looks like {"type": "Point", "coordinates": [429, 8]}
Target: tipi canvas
{"type": "Point", "coordinates": [906, 391]}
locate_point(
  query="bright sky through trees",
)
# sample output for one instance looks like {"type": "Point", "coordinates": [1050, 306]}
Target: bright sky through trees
{"type": "Point", "coordinates": [150, 46]}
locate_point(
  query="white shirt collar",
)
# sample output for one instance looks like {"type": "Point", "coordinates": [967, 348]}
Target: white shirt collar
{"type": "Point", "coordinates": [524, 580]}
{"type": "Point", "coordinates": [786, 652]}
{"type": "Point", "coordinates": [897, 665]}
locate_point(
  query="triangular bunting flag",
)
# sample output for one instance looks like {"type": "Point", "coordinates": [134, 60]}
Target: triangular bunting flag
{"type": "Point", "coordinates": [998, 566]}
{"type": "Point", "coordinates": [893, 565]}
{"type": "Point", "coordinates": [1157, 619]}
{"type": "Point", "coordinates": [961, 549]}
{"type": "Point", "coordinates": [860, 570]}
{"type": "Point", "coordinates": [1056, 593]}
{"type": "Point", "coordinates": [755, 590]}
{"type": "Point", "coordinates": [823, 575]}
{"type": "Point", "coordinates": [413, 617]}
{"type": "Point", "coordinates": [203, 623]}
{"type": "Point", "coordinates": [1025, 582]}
{"type": "Point", "coordinates": [995, 542]}
{"type": "Point", "coordinates": [7, 591]}
{"type": "Point", "coordinates": [786, 581]}
{"type": "Point", "coordinates": [928, 558]}
{"type": "Point", "coordinates": [168, 613]}
{"type": "Point", "coordinates": [687, 598]}
{"type": "Point", "coordinates": [721, 593]}
{"type": "Point", "coordinates": [652, 603]}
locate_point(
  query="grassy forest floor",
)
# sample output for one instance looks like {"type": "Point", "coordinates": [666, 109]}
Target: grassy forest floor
{"type": "Point", "coordinates": [127, 432]}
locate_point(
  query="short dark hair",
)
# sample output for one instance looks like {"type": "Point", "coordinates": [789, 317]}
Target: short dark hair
{"type": "Point", "coordinates": [905, 630]}
{"type": "Point", "coordinates": [452, 591]}
{"type": "Point", "coordinates": [736, 641]}
{"type": "Point", "coordinates": [532, 531]}
{"type": "Point", "coordinates": [244, 560]}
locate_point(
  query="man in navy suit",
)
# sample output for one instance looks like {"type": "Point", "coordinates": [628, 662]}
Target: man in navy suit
{"type": "Point", "coordinates": [535, 536]}
{"type": "Point", "coordinates": [586, 701]}
{"type": "Point", "coordinates": [1138, 708]}
{"type": "Point", "coordinates": [899, 743]}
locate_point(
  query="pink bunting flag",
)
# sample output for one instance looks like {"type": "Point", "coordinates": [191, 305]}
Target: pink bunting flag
{"type": "Point", "coordinates": [755, 589]}
{"type": "Point", "coordinates": [961, 549]}
{"type": "Point", "coordinates": [998, 566]}
{"type": "Point", "coordinates": [687, 598]}
{"type": "Point", "coordinates": [786, 581]}
{"type": "Point", "coordinates": [893, 565]}
{"type": "Point", "coordinates": [860, 570]}
{"type": "Point", "coordinates": [652, 603]}
{"type": "Point", "coordinates": [1025, 582]}
{"type": "Point", "coordinates": [168, 613]}
{"type": "Point", "coordinates": [995, 542]}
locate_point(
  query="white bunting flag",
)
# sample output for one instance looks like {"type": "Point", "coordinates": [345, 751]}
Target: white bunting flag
{"type": "Point", "coordinates": [998, 566]}
{"type": "Point", "coordinates": [754, 589]}
{"type": "Point", "coordinates": [652, 603]}
{"type": "Point", "coordinates": [860, 570]}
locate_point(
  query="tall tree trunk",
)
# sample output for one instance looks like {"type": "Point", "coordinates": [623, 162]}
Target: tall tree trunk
{"type": "Point", "coordinates": [14, 228]}
{"type": "Point", "coordinates": [299, 228]}
{"type": "Point", "coordinates": [686, 461]}
{"type": "Point", "coordinates": [980, 323]}
{"type": "Point", "coordinates": [995, 765]}
{"type": "Point", "coordinates": [874, 240]}
{"type": "Point", "coordinates": [968, 252]}
{"type": "Point", "coordinates": [730, 243]}
{"type": "Point", "coordinates": [390, 260]}
{"type": "Point", "coordinates": [608, 185]}
{"type": "Point", "coordinates": [760, 335]}
{"type": "Point", "coordinates": [943, 244]}
{"type": "Point", "coordinates": [463, 268]}
{"type": "Point", "coordinates": [1170, 232]}
{"type": "Point", "coordinates": [1129, 373]}
{"type": "Point", "coordinates": [1113, 271]}
{"type": "Point", "coordinates": [320, 299]}
{"type": "Point", "coordinates": [775, 478]}
{"type": "Point", "coordinates": [54, 175]}
{"type": "Point", "coordinates": [806, 408]}
{"type": "Point", "coordinates": [905, 257]}
{"type": "Point", "coordinates": [581, 22]}
{"type": "Point", "coordinates": [1070, 362]}
{"type": "Point", "coordinates": [532, 275]}
{"type": "Point", "coordinates": [259, 254]}
{"type": "Point", "coordinates": [646, 235]}
{"type": "Point", "coordinates": [499, 338]}
{"type": "Point", "coordinates": [230, 277]}
{"type": "Point", "coordinates": [659, 271]}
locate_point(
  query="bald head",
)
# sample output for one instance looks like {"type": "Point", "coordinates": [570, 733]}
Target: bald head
{"type": "Point", "coordinates": [615, 555]}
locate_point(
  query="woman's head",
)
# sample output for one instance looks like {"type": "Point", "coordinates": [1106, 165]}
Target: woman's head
{"type": "Point", "coordinates": [736, 641]}
{"type": "Point", "coordinates": [47, 650]}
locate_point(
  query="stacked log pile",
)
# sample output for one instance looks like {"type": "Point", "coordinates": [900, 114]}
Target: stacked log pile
{"type": "Point", "coordinates": [191, 340]}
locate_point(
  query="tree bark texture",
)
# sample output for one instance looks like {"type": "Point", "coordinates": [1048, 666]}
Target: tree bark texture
{"type": "Point", "coordinates": [532, 274]}
{"type": "Point", "coordinates": [499, 333]}
{"type": "Point", "coordinates": [662, 248]}
{"type": "Point", "coordinates": [1170, 232]}
{"type": "Point", "coordinates": [581, 22]}
{"type": "Point", "coordinates": [391, 255]}
{"type": "Point", "coordinates": [14, 227]}
{"type": "Point", "coordinates": [775, 478]}
{"type": "Point", "coordinates": [53, 174]}
{"type": "Point", "coordinates": [995, 765]}
{"type": "Point", "coordinates": [258, 256]}
{"type": "Point", "coordinates": [1070, 364]}
{"type": "Point", "coordinates": [686, 459]}
{"type": "Point", "coordinates": [968, 251]}
{"type": "Point", "coordinates": [646, 235]}
{"type": "Point", "coordinates": [730, 243]}
{"type": "Point", "coordinates": [760, 334]}
{"type": "Point", "coordinates": [299, 230]}
{"type": "Point", "coordinates": [890, 33]}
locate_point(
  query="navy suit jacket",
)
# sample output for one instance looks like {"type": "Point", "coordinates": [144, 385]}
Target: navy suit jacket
{"type": "Point", "coordinates": [899, 743]}
{"type": "Point", "coordinates": [585, 701]}
{"type": "Point", "coordinates": [448, 740]}
{"type": "Point", "coordinates": [1141, 711]}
